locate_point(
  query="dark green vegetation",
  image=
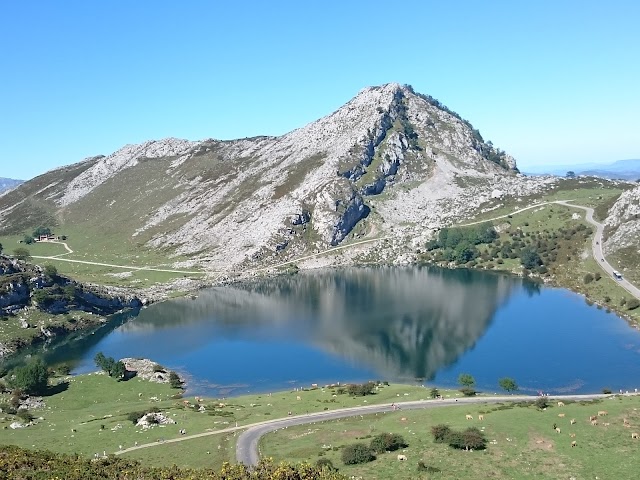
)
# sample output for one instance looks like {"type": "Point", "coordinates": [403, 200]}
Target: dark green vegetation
{"type": "Point", "coordinates": [468, 439]}
{"type": "Point", "coordinates": [19, 463]}
{"type": "Point", "coordinates": [357, 453]}
{"type": "Point", "coordinates": [31, 379]}
{"type": "Point", "coordinates": [508, 384]}
{"type": "Point", "coordinates": [110, 366]}
{"type": "Point", "coordinates": [459, 244]}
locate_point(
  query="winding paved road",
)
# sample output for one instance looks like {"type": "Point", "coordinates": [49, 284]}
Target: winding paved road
{"type": "Point", "coordinates": [596, 246]}
{"type": "Point", "coordinates": [247, 451]}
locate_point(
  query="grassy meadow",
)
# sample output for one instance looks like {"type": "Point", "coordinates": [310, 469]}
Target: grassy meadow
{"type": "Point", "coordinates": [522, 442]}
{"type": "Point", "coordinates": [87, 414]}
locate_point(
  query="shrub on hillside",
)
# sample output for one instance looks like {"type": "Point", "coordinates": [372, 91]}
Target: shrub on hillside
{"type": "Point", "coordinates": [541, 402]}
{"type": "Point", "coordinates": [440, 432]}
{"type": "Point", "coordinates": [633, 304]}
{"type": "Point", "coordinates": [588, 278]}
{"type": "Point", "coordinates": [361, 389]}
{"type": "Point", "coordinates": [32, 378]}
{"type": "Point", "coordinates": [174, 380]}
{"type": "Point", "coordinates": [357, 453]}
{"type": "Point", "coordinates": [387, 442]}
{"type": "Point", "coordinates": [468, 391]}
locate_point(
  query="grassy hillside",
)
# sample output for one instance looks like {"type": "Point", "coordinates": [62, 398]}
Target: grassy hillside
{"type": "Point", "coordinates": [522, 442]}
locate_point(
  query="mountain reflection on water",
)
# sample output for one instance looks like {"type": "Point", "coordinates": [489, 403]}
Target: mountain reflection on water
{"type": "Point", "coordinates": [404, 323]}
{"type": "Point", "coordinates": [357, 324]}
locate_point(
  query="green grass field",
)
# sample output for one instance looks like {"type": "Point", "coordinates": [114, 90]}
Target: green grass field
{"type": "Point", "coordinates": [522, 444]}
{"type": "Point", "coordinates": [88, 415]}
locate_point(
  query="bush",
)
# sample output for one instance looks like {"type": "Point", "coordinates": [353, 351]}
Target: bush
{"type": "Point", "coordinates": [434, 393]}
{"type": "Point", "coordinates": [472, 438]}
{"type": "Point", "coordinates": [387, 442]}
{"type": "Point", "coordinates": [174, 380]}
{"type": "Point", "coordinates": [468, 391]}
{"type": "Point", "coordinates": [357, 453]}
{"type": "Point", "coordinates": [606, 391]}
{"type": "Point", "coordinates": [588, 278]}
{"type": "Point", "coordinates": [542, 402]}
{"type": "Point", "coordinates": [158, 368]}
{"type": "Point", "coordinates": [33, 378]}
{"type": "Point", "coordinates": [597, 276]}
{"type": "Point", "coordinates": [361, 389]}
{"type": "Point", "coordinates": [633, 304]}
{"type": "Point", "coordinates": [440, 432]}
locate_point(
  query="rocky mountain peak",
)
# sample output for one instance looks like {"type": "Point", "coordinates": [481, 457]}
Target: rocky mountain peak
{"type": "Point", "coordinates": [388, 157]}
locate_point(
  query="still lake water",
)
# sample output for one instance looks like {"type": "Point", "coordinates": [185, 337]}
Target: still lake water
{"type": "Point", "coordinates": [396, 324]}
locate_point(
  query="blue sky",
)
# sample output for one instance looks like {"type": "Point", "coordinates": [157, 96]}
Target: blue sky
{"type": "Point", "coordinates": [548, 81]}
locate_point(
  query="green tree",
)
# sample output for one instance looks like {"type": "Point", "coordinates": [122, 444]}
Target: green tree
{"type": "Point", "coordinates": [106, 364]}
{"type": "Point", "coordinates": [440, 432]}
{"type": "Point", "coordinates": [28, 239]}
{"type": "Point", "coordinates": [0, 248]}
{"type": "Point", "coordinates": [119, 370]}
{"type": "Point", "coordinates": [571, 174]}
{"type": "Point", "coordinates": [31, 378]}
{"type": "Point", "coordinates": [41, 231]}
{"type": "Point", "coordinates": [50, 271]}
{"type": "Point", "coordinates": [530, 258]}
{"type": "Point", "coordinates": [508, 384]}
{"type": "Point", "coordinates": [633, 304]}
{"type": "Point", "coordinates": [434, 392]}
{"type": "Point", "coordinates": [387, 442]}
{"type": "Point", "coordinates": [466, 380]}
{"type": "Point", "coordinates": [357, 453]}
{"type": "Point", "coordinates": [174, 380]}
{"type": "Point", "coordinates": [472, 438]}
{"type": "Point", "coordinates": [22, 253]}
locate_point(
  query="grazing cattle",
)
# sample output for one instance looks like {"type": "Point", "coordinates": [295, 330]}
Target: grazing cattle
{"type": "Point", "coordinates": [561, 404]}
{"type": "Point", "coordinates": [602, 413]}
{"type": "Point", "coordinates": [606, 424]}
{"type": "Point", "coordinates": [594, 422]}
{"type": "Point", "coordinates": [572, 435]}
{"type": "Point", "coordinates": [634, 435]}
{"type": "Point", "coordinates": [573, 444]}
{"type": "Point", "coordinates": [592, 418]}
{"type": "Point", "coordinates": [561, 415]}
{"type": "Point", "coordinates": [480, 417]}
{"type": "Point", "coordinates": [403, 419]}
{"type": "Point", "coordinates": [402, 458]}
{"type": "Point", "coordinates": [298, 397]}
{"type": "Point", "coordinates": [469, 417]}
{"type": "Point", "coordinates": [558, 430]}
{"type": "Point", "coordinates": [573, 420]}
{"type": "Point", "coordinates": [139, 395]}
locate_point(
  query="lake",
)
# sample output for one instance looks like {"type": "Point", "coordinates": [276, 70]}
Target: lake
{"type": "Point", "coordinates": [417, 324]}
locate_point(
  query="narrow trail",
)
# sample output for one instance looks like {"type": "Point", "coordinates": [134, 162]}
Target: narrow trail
{"type": "Point", "coordinates": [596, 250]}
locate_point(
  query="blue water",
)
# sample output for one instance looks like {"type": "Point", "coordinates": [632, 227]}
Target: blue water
{"type": "Point", "coordinates": [396, 324]}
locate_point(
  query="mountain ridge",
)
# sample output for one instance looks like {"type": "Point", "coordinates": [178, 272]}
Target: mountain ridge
{"type": "Point", "coordinates": [388, 158]}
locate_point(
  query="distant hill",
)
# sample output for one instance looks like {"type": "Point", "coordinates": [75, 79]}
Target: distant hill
{"type": "Point", "coordinates": [7, 183]}
{"type": "Point", "coordinates": [620, 170]}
